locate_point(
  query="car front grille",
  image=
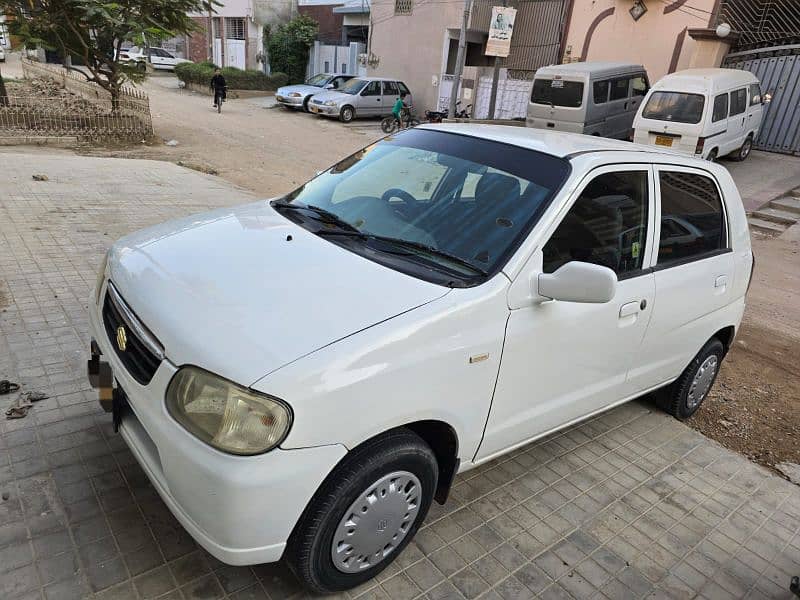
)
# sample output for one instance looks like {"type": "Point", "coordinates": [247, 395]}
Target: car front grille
{"type": "Point", "coordinates": [138, 350]}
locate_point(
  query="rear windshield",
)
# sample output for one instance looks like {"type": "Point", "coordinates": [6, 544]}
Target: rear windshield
{"type": "Point", "coordinates": [557, 92]}
{"type": "Point", "coordinates": [674, 106]}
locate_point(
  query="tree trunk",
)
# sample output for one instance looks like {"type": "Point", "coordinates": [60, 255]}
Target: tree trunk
{"type": "Point", "coordinates": [3, 92]}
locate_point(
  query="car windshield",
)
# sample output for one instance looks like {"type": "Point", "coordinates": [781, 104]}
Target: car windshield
{"type": "Point", "coordinates": [353, 87]}
{"type": "Point", "coordinates": [443, 207]}
{"type": "Point", "coordinates": [318, 80]}
{"type": "Point", "coordinates": [677, 107]}
{"type": "Point", "coordinates": [557, 92]}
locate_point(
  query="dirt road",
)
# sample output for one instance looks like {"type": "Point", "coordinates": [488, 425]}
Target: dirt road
{"type": "Point", "coordinates": [268, 150]}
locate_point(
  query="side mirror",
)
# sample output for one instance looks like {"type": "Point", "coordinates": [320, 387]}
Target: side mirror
{"type": "Point", "coordinates": [329, 86]}
{"type": "Point", "coordinates": [579, 282]}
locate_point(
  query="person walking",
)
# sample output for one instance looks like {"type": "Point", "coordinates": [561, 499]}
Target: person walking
{"type": "Point", "coordinates": [219, 85]}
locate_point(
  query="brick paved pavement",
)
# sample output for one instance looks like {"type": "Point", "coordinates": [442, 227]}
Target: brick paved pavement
{"type": "Point", "coordinates": [630, 504]}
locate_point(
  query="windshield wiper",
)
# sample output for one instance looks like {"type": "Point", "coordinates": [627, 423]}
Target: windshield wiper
{"type": "Point", "coordinates": [325, 216]}
{"type": "Point", "coordinates": [410, 244]}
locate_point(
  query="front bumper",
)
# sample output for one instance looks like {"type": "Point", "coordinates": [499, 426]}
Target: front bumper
{"type": "Point", "coordinates": [326, 111]}
{"type": "Point", "coordinates": [241, 509]}
{"type": "Point", "coordinates": [289, 101]}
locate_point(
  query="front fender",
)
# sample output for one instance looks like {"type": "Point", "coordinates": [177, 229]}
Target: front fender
{"type": "Point", "coordinates": [410, 368]}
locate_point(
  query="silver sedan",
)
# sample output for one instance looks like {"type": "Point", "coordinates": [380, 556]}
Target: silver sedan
{"type": "Point", "coordinates": [297, 96]}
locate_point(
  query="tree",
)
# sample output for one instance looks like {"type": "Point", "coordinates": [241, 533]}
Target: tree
{"type": "Point", "coordinates": [93, 31]}
{"type": "Point", "coordinates": [288, 46]}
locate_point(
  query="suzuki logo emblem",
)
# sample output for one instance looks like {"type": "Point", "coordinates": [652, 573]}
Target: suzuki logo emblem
{"type": "Point", "coordinates": [122, 338]}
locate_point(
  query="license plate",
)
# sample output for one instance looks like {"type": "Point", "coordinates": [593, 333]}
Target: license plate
{"type": "Point", "coordinates": [313, 109]}
{"type": "Point", "coordinates": [663, 140]}
{"type": "Point", "coordinates": [101, 378]}
{"type": "Point", "coordinates": [279, 98]}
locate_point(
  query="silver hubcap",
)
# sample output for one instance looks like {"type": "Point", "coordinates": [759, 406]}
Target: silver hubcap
{"type": "Point", "coordinates": [377, 522]}
{"type": "Point", "coordinates": [702, 381]}
{"type": "Point", "coordinates": [746, 148]}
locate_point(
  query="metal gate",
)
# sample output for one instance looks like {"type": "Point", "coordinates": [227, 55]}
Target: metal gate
{"type": "Point", "coordinates": [778, 69]}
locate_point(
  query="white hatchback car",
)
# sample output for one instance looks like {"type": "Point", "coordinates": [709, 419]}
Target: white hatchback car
{"type": "Point", "coordinates": [302, 377]}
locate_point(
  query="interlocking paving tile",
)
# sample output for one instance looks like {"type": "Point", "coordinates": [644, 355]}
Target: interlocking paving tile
{"type": "Point", "coordinates": [628, 504]}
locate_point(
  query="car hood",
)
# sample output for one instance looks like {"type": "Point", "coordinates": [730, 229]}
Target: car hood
{"type": "Point", "coordinates": [241, 292]}
{"type": "Point", "coordinates": [301, 88]}
{"type": "Point", "coordinates": [337, 97]}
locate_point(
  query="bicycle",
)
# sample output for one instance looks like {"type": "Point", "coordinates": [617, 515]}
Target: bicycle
{"type": "Point", "coordinates": [391, 124]}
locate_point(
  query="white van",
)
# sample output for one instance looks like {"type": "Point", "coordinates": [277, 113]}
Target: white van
{"type": "Point", "coordinates": [705, 112]}
{"type": "Point", "coordinates": [595, 98]}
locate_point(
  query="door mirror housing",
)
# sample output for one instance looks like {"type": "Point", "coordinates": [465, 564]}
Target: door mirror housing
{"type": "Point", "coordinates": [578, 282]}
{"type": "Point", "coordinates": [329, 86]}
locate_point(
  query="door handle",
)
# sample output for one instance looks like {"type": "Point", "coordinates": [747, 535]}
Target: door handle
{"type": "Point", "coordinates": [628, 309]}
{"type": "Point", "coordinates": [721, 281]}
{"type": "Point", "coordinates": [625, 105]}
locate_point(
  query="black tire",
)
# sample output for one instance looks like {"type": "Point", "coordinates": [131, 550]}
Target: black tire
{"type": "Point", "coordinates": [712, 156]}
{"type": "Point", "coordinates": [675, 398]}
{"type": "Point", "coordinates": [347, 114]}
{"type": "Point", "coordinates": [388, 125]}
{"type": "Point", "coordinates": [305, 104]}
{"type": "Point", "coordinates": [744, 151]}
{"type": "Point", "coordinates": [309, 550]}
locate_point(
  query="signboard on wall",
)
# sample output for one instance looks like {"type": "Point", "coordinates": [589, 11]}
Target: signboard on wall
{"type": "Point", "coordinates": [500, 29]}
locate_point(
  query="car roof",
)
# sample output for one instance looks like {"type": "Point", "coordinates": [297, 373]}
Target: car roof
{"type": "Point", "coordinates": [556, 143]}
{"type": "Point", "coordinates": [378, 78]}
{"type": "Point", "coordinates": [595, 68]}
{"type": "Point", "coordinates": [704, 80]}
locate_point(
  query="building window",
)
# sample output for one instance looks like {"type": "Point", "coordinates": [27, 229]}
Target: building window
{"type": "Point", "coordinates": [234, 29]}
{"type": "Point", "coordinates": [403, 7]}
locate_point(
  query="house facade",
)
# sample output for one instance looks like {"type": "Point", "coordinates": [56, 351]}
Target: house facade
{"type": "Point", "coordinates": [233, 35]}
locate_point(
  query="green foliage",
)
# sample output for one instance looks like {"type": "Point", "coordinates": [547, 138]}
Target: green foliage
{"type": "Point", "coordinates": [237, 79]}
{"type": "Point", "coordinates": [92, 31]}
{"type": "Point", "coordinates": [288, 46]}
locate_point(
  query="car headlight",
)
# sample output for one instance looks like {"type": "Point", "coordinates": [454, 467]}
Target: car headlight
{"type": "Point", "coordinates": [295, 95]}
{"type": "Point", "coordinates": [101, 277]}
{"type": "Point", "coordinates": [330, 103]}
{"type": "Point", "coordinates": [227, 416]}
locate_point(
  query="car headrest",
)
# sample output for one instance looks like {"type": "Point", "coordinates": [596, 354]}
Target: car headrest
{"type": "Point", "coordinates": [494, 188]}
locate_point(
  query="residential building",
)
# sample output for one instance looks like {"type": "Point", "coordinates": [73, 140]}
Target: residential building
{"type": "Point", "coordinates": [340, 21]}
{"type": "Point", "coordinates": [5, 39]}
{"type": "Point", "coordinates": [233, 35]}
{"type": "Point", "coordinates": [417, 41]}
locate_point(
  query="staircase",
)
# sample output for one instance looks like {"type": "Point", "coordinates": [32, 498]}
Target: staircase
{"type": "Point", "coordinates": [778, 215]}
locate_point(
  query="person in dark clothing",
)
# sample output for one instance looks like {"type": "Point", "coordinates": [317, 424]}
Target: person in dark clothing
{"type": "Point", "coordinates": [219, 86]}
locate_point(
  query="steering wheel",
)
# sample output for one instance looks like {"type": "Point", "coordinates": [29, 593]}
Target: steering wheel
{"type": "Point", "coordinates": [408, 201]}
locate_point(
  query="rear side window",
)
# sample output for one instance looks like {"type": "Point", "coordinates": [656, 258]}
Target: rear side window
{"type": "Point", "coordinates": [600, 91]}
{"type": "Point", "coordinates": [692, 219]}
{"type": "Point", "coordinates": [619, 89]}
{"type": "Point", "coordinates": [403, 87]}
{"type": "Point", "coordinates": [674, 106]}
{"type": "Point", "coordinates": [738, 101]}
{"type": "Point", "coordinates": [720, 108]}
{"type": "Point", "coordinates": [639, 86]}
{"type": "Point", "coordinates": [557, 92]}
{"type": "Point", "coordinates": [755, 94]}
{"type": "Point", "coordinates": [390, 88]}
{"type": "Point", "coordinates": [606, 226]}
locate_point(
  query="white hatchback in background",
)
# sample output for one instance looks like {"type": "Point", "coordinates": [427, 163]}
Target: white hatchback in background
{"type": "Point", "coordinates": [159, 58]}
{"type": "Point", "coordinates": [705, 112]}
{"type": "Point", "coordinates": [483, 286]}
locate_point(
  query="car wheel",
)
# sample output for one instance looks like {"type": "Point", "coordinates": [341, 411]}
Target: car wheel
{"type": "Point", "coordinates": [347, 114]}
{"type": "Point", "coordinates": [743, 152]}
{"type": "Point", "coordinates": [712, 156]}
{"type": "Point", "coordinates": [685, 395]}
{"type": "Point", "coordinates": [305, 104]}
{"type": "Point", "coordinates": [365, 513]}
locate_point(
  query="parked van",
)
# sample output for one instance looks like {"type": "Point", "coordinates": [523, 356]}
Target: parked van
{"type": "Point", "coordinates": [705, 112]}
{"type": "Point", "coordinates": [595, 98]}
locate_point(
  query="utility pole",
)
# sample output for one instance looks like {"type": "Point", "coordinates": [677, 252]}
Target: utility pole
{"type": "Point", "coordinates": [460, 57]}
{"type": "Point", "coordinates": [495, 76]}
